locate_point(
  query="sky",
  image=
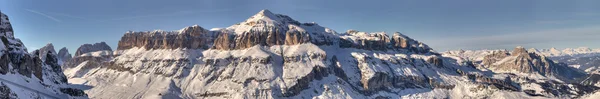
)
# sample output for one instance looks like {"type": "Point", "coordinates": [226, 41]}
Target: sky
{"type": "Point", "coordinates": [441, 24]}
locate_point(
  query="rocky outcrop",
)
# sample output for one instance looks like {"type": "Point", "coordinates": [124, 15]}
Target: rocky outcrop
{"type": "Point", "coordinates": [64, 55]}
{"type": "Point", "coordinates": [49, 48]}
{"type": "Point", "coordinates": [42, 64]}
{"type": "Point", "coordinates": [488, 60]}
{"type": "Point", "coordinates": [382, 42]}
{"type": "Point", "coordinates": [6, 92]}
{"type": "Point", "coordinates": [400, 41]}
{"type": "Point", "coordinates": [6, 29]}
{"type": "Point", "coordinates": [522, 61]}
{"type": "Point", "coordinates": [224, 41]}
{"type": "Point", "coordinates": [86, 48]}
{"type": "Point", "coordinates": [193, 37]}
{"type": "Point", "coordinates": [437, 61]}
{"type": "Point", "coordinates": [90, 59]}
{"type": "Point", "coordinates": [53, 69]}
{"type": "Point", "coordinates": [296, 37]}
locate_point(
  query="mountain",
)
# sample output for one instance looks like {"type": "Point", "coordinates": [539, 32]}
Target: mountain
{"type": "Point", "coordinates": [79, 65]}
{"type": "Point", "coordinates": [273, 56]}
{"type": "Point", "coordinates": [86, 48]}
{"type": "Point", "coordinates": [63, 55]}
{"type": "Point", "coordinates": [530, 64]}
{"type": "Point", "coordinates": [522, 61]}
{"type": "Point", "coordinates": [49, 48]}
{"type": "Point", "coordinates": [553, 52]}
{"type": "Point", "coordinates": [30, 75]}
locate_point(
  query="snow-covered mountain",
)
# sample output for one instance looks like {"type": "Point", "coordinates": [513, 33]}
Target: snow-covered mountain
{"type": "Point", "coordinates": [273, 56]}
{"type": "Point", "coordinates": [86, 48]}
{"type": "Point", "coordinates": [553, 52]}
{"type": "Point", "coordinates": [32, 75]}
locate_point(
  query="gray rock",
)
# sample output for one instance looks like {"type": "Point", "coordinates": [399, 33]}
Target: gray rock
{"type": "Point", "coordinates": [64, 55]}
{"type": "Point", "coordinates": [49, 48]}
{"type": "Point", "coordinates": [193, 37]}
{"type": "Point", "coordinates": [86, 48]}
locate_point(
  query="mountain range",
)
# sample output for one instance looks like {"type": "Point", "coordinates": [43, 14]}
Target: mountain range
{"type": "Point", "coordinates": [274, 56]}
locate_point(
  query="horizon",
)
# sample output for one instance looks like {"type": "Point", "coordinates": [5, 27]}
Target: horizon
{"type": "Point", "coordinates": [444, 25]}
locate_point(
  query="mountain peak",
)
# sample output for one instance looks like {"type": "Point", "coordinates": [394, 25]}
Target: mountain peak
{"type": "Point", "coordinates": [519, 50]}
{"type": "Point", "coordinates": [264, 15]}
{"type": "Point", "coordinates": [264, 20]}
{"type": "Point", "coordinates": [265, 12]}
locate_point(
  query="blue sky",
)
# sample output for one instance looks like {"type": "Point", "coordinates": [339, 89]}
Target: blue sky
{"type": "Point", "coordinates": [444, 25]}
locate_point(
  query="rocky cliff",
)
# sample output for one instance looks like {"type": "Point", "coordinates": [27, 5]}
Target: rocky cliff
{"type": "Point", "coordinates": [86, 48]}
{"type": "Point", "coordinates": [267, 29]}
{"type": "Point", "coordinates": [193, 37]}
{"type": "Point", "coordinates": [49, 48]}
{"type": "Point", "coordinates": [30, 75]}
{"type": "Point", "coordinates": [64, 55]}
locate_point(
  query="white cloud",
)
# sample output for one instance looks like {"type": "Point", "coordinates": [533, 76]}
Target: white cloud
{"type": "Point", "coordinates": [45, 15]}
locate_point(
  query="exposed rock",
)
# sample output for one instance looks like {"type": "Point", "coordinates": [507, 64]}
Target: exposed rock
{"type": "Point", "coordinates": [317, 73]}
{"type": "Point", "coordinates": [224, 41]}
{"type": "Point", "coordinates": [45, 50]}
{"type": "Point", "coordinates": [6, 92]}
{"type": "Point", "coordinates": [64, 55]}
{"type": "Point", "coordinates": [296, 37]}
{"type": "Point", "coordinates": [194, 37]}
{"type": "Point", "coordinates": [562, 89]}
{"type": "Point", "coordinates": [522, 61]}
{"type": "Point", "coordinates": [78, 60]}
{"type": "Point", "coordinates": [56, 72]}
{"type": "Point", "coordinates": [436, 61]}
{"type": "Point", "coordinates": [73, 91]}
{"type": "Point", "coordinates": [6, 29]}
{"type": "Point", "coordinates": [494, 57]}
{"type": "Point", "coordinates": [86, 48]}
{"type": "Point", "coordinates": [4, 61]}
{"type": "Point", "coordinates": [400, 41]}
{"type": "Point", "coordinates": [381, 41]}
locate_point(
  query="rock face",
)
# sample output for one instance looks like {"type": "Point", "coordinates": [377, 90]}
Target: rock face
{"type": "Point", "coordinates": [42, 64]}
{"type": "Point", "coordinates": [193, 37]}
{"type": "Point", "coordinates": [522, 61]}
{"type": "Point", "coordinates": [64, 55]}
{"type": "Point", "coordinates": [49, 48]}
{"type": "Point", "coordinates": [15, 54]}
{"type": "Point", "coordinates": [381, 41]}
{"type": "Point", "coordinates": [86, 48]}
{"type": "Point", "coordinates": [90, 59]}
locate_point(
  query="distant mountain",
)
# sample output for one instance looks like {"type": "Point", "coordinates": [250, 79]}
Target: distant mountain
{"type": "Point", "coordinates": [273, 56]}
{"type": "Point", "coordinates": [553, 52]}
{"type": "Point", "coordinates": [63, 55]}
{"type": "Point", "coordinates": [86, 48]}
{"type": "Point", "coordinates": [522, 61]}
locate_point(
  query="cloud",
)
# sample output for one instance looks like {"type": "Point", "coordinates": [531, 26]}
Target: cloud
{"type": "Point", "coordinates": [45, 15]}
{"type": "Point", "coordinates": [578, 34]}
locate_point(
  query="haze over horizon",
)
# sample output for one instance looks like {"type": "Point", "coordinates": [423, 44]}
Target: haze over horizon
{"type": "Point", "coordinates": [443, 25]}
